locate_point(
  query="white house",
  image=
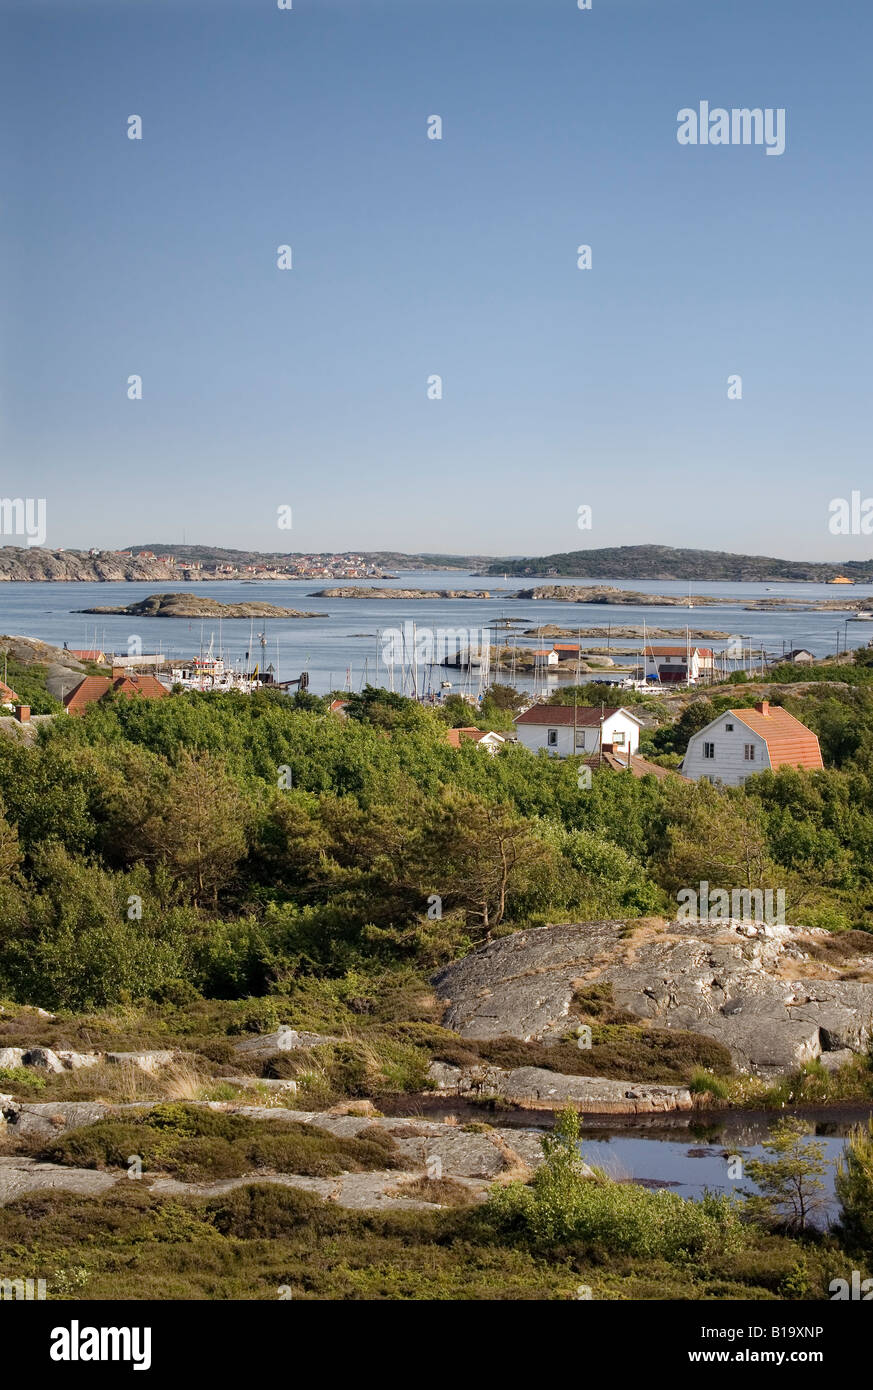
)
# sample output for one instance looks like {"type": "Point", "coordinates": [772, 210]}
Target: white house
{"type": "Point", "coordinates": [743, 741]}
{"type": "Point", "coordinates": [678, 664]}
{"type": "Point", "coordinates": [491, 741]}
{"type": "Point", "coordinates": [563, 730]}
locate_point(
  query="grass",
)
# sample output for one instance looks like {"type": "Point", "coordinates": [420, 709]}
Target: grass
{"type": "Point", "coordinates": [443, 1192]}
{"type": "Point", "coordinates": [812, 1084]}
{"type": "Point", "coordinates": [259, 1239]}
{"type": "Point", "coordinates": [620, 1051]}
{"type": "Point", "coordinates": [196, 1144]}
{"type": "Point", "coordinates": [704, 1083]}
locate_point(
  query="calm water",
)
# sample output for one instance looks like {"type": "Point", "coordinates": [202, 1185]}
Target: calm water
{"type": "Point", "coordinates": [684, 1153]}
{"type": "Point", "coordinates": [341, 648]}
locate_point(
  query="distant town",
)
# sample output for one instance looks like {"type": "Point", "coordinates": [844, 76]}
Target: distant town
{"type": "Point", "coordinates": [298, 567]}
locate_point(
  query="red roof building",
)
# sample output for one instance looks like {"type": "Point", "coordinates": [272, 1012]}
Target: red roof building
{"type": "Point", "coordinates": [94, 688]}
{"type": "Point", "coordinates": [740, 742]}
{"type": "Point", "coordinates": [88, 654]}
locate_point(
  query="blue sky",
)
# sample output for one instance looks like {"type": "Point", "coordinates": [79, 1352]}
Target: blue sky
{"type": "Point", "coordinates": [413, 257]}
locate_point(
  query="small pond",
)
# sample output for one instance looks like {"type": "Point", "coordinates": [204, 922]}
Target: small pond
{"type": "Point", "coordinates": [684, 1153]}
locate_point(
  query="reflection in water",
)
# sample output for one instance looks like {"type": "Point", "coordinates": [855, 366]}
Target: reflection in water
{"type": "Point", "coordinates": [686, 1154]}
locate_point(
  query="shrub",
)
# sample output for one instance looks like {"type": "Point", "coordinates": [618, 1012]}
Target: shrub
{"type": "Point", "coordinates": [789, 1178]}
{"type": "Point", "coordinates": [854, 1188]}
{"type": "Point", "coordinates": [563, 1205]}
{"type": "Point", "coordinates": [197, 1144]}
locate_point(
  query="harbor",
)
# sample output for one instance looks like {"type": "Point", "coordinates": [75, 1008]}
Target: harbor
{"type": "Point", "coordinates": [346, 649]}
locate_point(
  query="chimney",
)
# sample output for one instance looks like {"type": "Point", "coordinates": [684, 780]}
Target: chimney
{"type": "Point", "coordinates": [22, 714]}
{"type": "Point", "coordinates": [763, 707]}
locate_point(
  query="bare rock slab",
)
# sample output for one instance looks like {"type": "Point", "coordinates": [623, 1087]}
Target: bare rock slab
{"type": "Point", "coordinates": [535, 1088]}
{"type": "Point", "coordinates": [283, 1040]}
{"type": "Point", "coordinates": [743, 984]}
{"type": "Point", "coordinates": [143, 1061]}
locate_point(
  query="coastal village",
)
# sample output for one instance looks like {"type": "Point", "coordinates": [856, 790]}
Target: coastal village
{"type": "Point", "coordinates": [732, 747]}
{"type": "Point", "coordinates": [374, 948]}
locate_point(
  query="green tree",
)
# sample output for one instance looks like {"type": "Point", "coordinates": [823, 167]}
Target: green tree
{"type": "Point", "coordinates": [854, 1188]}
{"type": "Point", "coordinates": [789, 1178]}
{"type": "Point", "coordinates": [475, 853]}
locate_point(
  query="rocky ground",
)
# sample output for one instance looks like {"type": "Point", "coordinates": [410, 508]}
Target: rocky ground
{"type": "Point", "coordinates": [772, 995]}
{"type": "Point", "coordinates": [609, 1018]}
{"type": "Point", "coordinates": [471, 1157]}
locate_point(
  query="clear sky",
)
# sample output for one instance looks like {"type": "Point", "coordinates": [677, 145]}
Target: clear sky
{"type": "Point", "coordinates": [562, 387]}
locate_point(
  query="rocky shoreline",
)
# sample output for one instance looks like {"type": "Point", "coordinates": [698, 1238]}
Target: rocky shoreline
{"type": "Point", "coordinates": [194, 606]}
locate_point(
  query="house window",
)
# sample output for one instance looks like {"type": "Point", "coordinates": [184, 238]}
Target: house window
{"type": "Point", "coordinates": [729, 728]}
{"type": "Point", "coordinates": [580, 738]}
{"type": "Point", "coordinates": [618, 737]}
{"type": "Point", "coordinates": [749, 752]}
{"type": "Point", "coordinates": [709, 750]}
{"type": "Point", "coordinates": [552, 738]}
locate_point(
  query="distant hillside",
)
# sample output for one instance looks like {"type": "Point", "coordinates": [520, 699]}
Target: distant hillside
{"type": "Point", "coordinates": [22, 564]}
{"type": "Point", "coordinates": [382, 559]}
{"type": "Point", "coordinates": [666, 562]}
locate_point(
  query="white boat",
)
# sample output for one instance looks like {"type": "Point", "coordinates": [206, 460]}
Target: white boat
{"type": "Point", "coordinates": [211, 673]}
{"type": "Point", "coordinates": [861, 617]}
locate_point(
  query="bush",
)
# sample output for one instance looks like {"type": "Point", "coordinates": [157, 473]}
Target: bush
{"type": "Point", "coordinates": [854, 1188]}
{"type": "Point", "coordinates": [562, 1205]}
{"type": "Point", "coordinates": [196, 1144]}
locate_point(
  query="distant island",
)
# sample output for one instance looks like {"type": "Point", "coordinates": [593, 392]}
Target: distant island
{"type": "Point", "coordinates": [602, 594]}
{"type": "Point", "coordinates": [175, 563]}
{"type": "Point", "coordinates": [663, 562]}
{"type": "Point", "coordinates": [194, 606]}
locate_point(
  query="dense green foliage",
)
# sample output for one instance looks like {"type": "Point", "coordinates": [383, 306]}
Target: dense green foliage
{"type": "Point", "coordinates": [564, 1204]}
{"type": "Point", "coordinates": [235, 842]}
{"type": "Point", "coordinates": [854, 1187]}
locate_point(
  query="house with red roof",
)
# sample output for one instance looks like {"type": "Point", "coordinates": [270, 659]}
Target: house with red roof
{"type": "Point", "coordinates": [740, 742]}
{"type": "Point", "coordinates": [565, 730]}
{"type": "Point", "coordinates": [8, 695]}
{"type": "Point", "coordinates": [88, 654]}
{"type": "Point", "coordinates": [488, 739]}
{"type": "Point", "coordinates": [126, 683]}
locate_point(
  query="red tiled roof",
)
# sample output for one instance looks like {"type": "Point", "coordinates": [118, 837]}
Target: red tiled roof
{"type": "Point", "coordinates": [584, 716]}
{"type": "Point", "coordinates": [94, 688]}
{"type": "Point", "coordinates": [86, 654]}
{"type": "Point", "coordinates": [789, 743]}
{"type": "Point", "coordinates": [640, 767]}
{"type": "Point", "coordinates": [147, 686]}
{"type": "Point", "coordinates": [8, 695]}
{"type": "Point", "coordinates": [469, 731]}
{"type": "Point", "coordinates": [86, 692]}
